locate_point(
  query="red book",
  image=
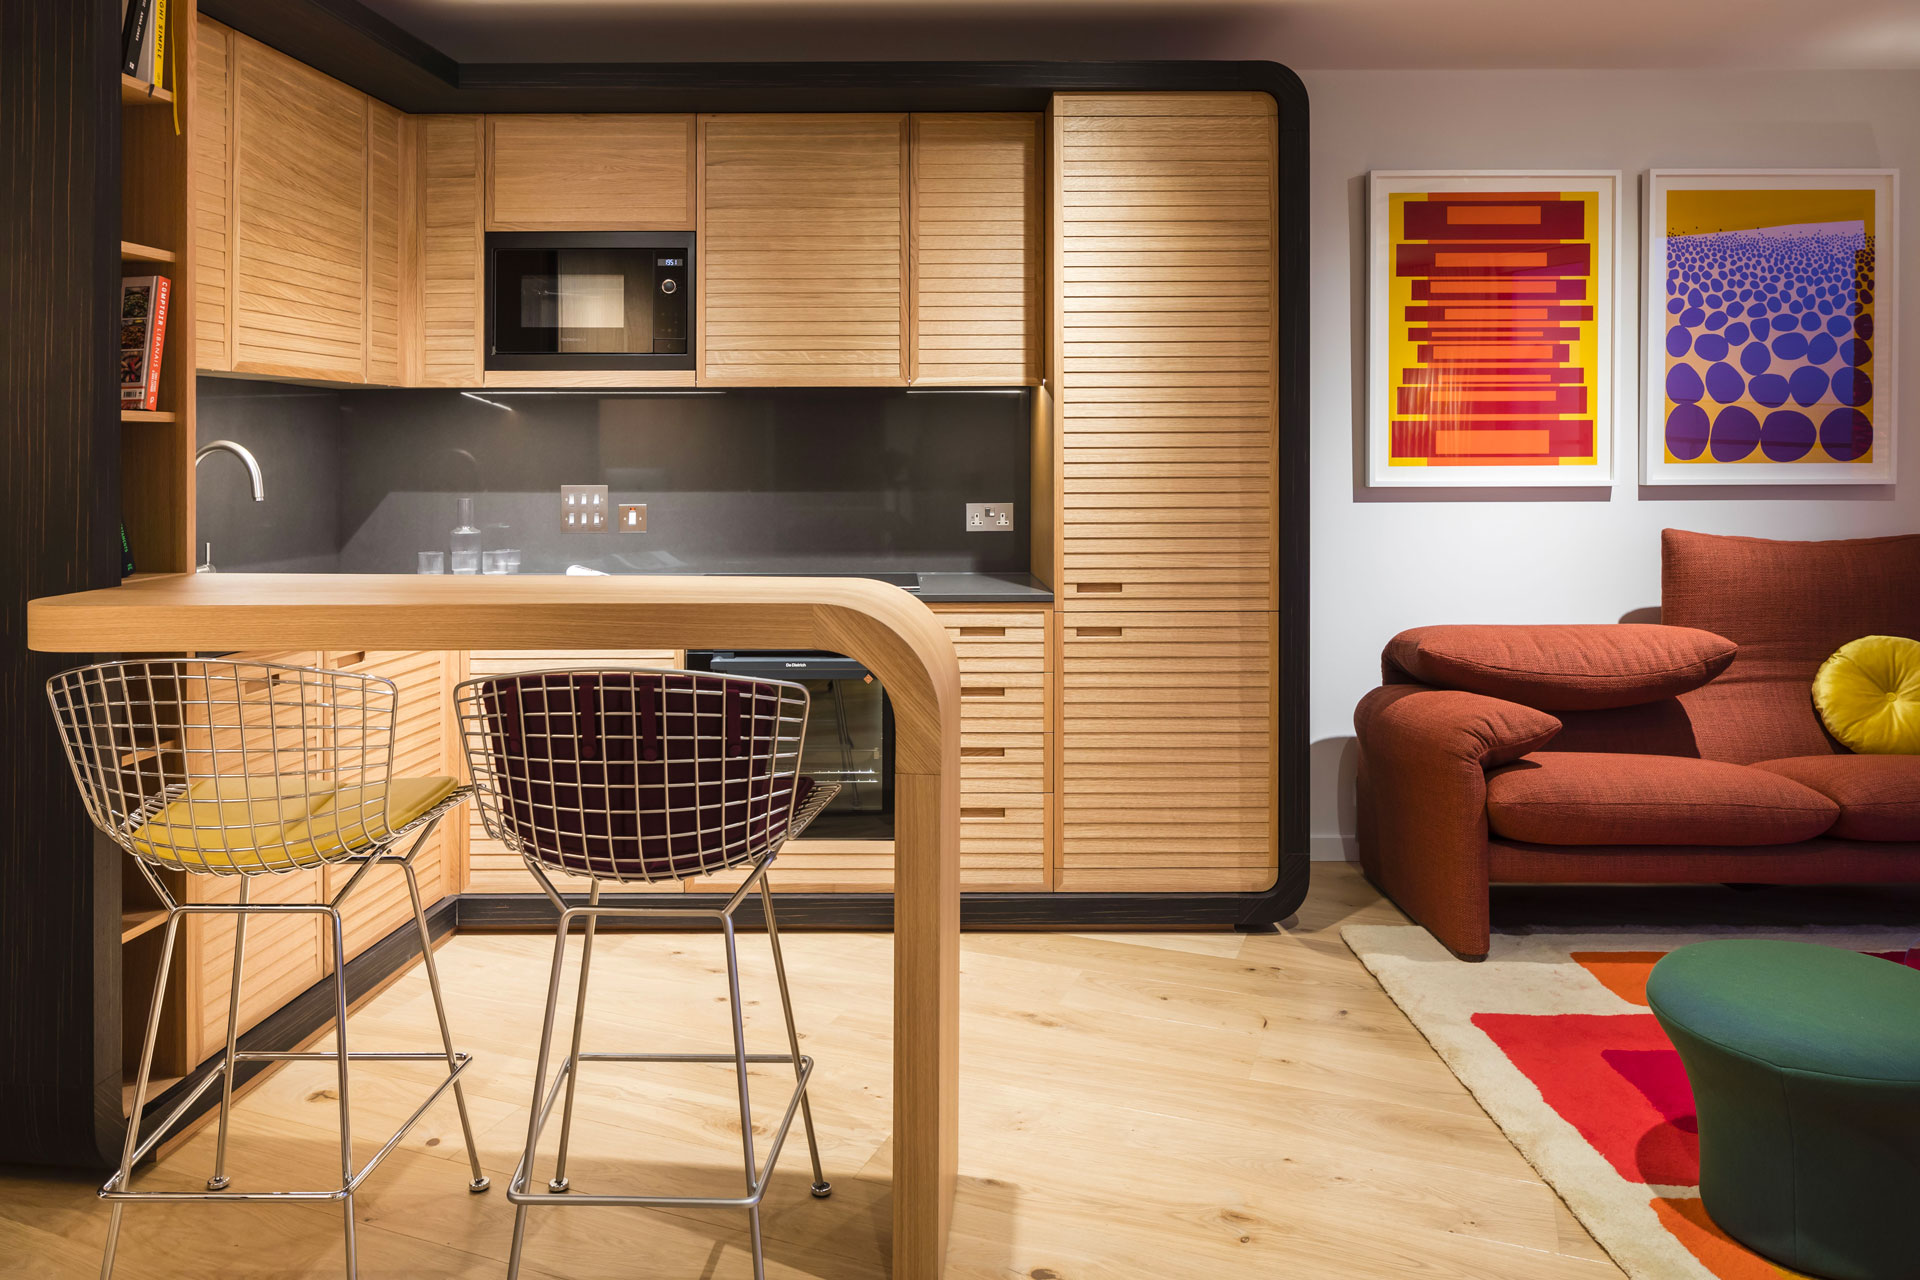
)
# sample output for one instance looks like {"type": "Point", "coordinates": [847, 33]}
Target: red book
{"type": "Point", "coordinates": [143, 332]}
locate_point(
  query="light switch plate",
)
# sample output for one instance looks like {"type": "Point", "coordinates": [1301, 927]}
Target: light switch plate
{"type": "Point", "coordinates": [989, 517]}
{"type": "Point", "coordinates": [633, 517]}
{"type": "Point", "coordinates": [583, 508]}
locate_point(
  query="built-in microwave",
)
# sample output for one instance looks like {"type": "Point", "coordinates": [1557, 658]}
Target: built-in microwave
{"type": "Point", "coordinates": [589, 299]}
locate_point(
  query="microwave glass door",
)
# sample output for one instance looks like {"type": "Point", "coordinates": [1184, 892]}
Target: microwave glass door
{"type": "Point", "coordinates": [588, 305]}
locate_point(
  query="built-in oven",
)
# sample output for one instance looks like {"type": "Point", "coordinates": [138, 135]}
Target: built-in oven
{"type": "Point", "coordinates": [849, 734]}
{"type": "Point", "coordinates": [589, 300]}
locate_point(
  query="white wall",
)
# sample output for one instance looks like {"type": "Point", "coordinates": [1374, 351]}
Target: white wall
{"type": "Point", "coordinates": [1387, 560]}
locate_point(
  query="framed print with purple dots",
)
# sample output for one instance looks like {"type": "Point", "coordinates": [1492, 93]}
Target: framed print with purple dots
{"type": "Point", "coordinates": [1769, 291]}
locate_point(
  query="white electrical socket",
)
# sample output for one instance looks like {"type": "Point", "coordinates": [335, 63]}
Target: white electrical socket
{"type": "Point", "coordinates": [583, 508]}
{"type": "Point", "coordinates": [989, 517]}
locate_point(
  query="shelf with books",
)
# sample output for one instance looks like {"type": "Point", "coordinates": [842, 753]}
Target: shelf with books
{"type": "Point", "coordinates": [131, 252]}
{"type": "Point", "coordinates": [140, 93]}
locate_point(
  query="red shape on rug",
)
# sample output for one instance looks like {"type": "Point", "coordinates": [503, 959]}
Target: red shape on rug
{"type": "Point", "coordinates": [1603, 1074]}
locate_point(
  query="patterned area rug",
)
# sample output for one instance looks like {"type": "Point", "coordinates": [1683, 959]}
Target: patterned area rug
{"type": "Point", "coordinates": [1552, 1035]}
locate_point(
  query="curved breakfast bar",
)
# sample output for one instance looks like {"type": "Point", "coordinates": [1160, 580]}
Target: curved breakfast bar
{"type": "Point", "coordinates": [889, 631]}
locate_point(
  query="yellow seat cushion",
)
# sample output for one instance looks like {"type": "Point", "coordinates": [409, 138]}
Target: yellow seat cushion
{"type": "Point", "coordinates": [270, 822]}
{"type": "Point", "coordinates": [1868, 695]}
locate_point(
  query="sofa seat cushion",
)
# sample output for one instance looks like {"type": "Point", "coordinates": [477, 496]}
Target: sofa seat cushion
{"type": "Point", "coordinates": [1879, 796]}
{"type": "Point", "coordinates": [1588, 798]}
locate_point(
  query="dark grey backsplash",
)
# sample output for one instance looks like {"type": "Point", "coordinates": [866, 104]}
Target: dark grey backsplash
{"type": "Point", "coordinates": [766, 481]}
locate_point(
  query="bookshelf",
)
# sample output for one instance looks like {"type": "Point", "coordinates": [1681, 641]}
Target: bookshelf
{"type": "Point", "coordinates": [156, 238]}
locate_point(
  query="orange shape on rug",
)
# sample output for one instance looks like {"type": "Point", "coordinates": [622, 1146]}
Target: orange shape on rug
{"type": "Point", "coordinates": [1687, 1221]}
{"type": "Point", "coordinates": [1622, 972]}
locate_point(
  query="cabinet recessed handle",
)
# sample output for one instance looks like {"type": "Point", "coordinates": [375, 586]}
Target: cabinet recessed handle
{"type": "Point", "coordinates": [983, 813]}
{"type": "Point", "coordinates": [350, 659]}
{"type": "Point", "coordinates": [984, 632]}
{"type": "Point", "coordinates": [983, 752]}
{"type": "Point", "coordinates": [1097, 588]}
{"type": "Point", "coordinates": [983, 693]}
{"type": "Point", "coordinates": [1096, 633]}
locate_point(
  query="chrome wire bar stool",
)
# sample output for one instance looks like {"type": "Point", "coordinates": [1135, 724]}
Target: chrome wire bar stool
{"type": "Point", "coordinates": [640, 777]}
{"type": "Point", "coordinates": [240, 769]}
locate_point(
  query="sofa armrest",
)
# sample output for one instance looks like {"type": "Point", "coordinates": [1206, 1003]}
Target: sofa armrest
{"type": "Point", "coordinates": [1424, 756]}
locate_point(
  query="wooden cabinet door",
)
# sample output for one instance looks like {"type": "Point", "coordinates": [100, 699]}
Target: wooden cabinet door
{"type": "Point", "coordinates": [590, 173]}
{"type": "Point", "coordinates": [1164, 277]}
{"type": "Point", "coordinates": [1166, 751]}
{"type": "Point", "coordinates": [387, 155]}
{"type": "Point", "coordinates": [212, 180]}
{"type": "Point", "coordinates": [422, 748]}
{"type": "Point", "coordinates": [802, 253]}
{"type": "Point", "coordinates": [978, 249]}
{"type": "Point", "coordinates": [298, 271]}
{"type": "Point", "coordinates": [452, 317]}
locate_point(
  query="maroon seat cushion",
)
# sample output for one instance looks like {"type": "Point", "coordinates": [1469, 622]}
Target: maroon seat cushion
{"type": "Point", "coordinates": [1879, 796]}
{"type": "Point", "coordinates": [1562, 667]}
{"type": "Point", "coordinates": [1583, 798]}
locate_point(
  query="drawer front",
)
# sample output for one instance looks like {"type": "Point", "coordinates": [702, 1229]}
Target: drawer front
{"type": "Point", "coordinates": [491, 866]}
{"type": "Point", "coordinates": [1166, 752]}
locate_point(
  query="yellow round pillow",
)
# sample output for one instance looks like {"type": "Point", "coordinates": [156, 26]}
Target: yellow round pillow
{"type": "Point", "coordinates": [1868, 695]}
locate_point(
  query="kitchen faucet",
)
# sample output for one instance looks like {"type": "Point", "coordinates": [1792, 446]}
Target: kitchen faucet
{"type": "Point", "coordinates": [253, 473]}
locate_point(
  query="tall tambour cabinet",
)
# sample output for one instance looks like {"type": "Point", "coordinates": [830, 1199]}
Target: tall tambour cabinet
{"type": "Point", "coordinates": [1164, 261]}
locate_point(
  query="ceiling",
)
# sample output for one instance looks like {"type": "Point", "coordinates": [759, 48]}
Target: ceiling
{"type": "Point", "coordinates": [1303, 34]}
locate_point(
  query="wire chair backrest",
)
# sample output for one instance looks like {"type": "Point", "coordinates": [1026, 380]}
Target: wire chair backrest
{"type": "Point", "coordinates": [229, 768]}
{"type": "Point", "coordinates": [635, 775]}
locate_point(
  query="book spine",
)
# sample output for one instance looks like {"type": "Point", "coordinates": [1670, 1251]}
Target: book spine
{"type": "Point", "coordinates": [131, 35]}
{"type": "Point", "coordinates": [146, 47]}
{"type": "Point", "coordinates": [159, 42]}
{"type": "Point", "coordinates": [162, 290]}
{"type": "Point", "coordinates": [126, 554]}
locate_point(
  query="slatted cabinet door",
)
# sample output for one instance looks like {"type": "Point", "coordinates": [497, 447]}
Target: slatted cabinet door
{"type": "Point", "coordinates": [979, 246]}
{"type": "Point", "coordinates": [387, 152]}
{"type": "Point", "coordinates": [1164, 277]}
{"type": "Point", "coordinates": [1166, 757]}
{"type": "Point", "coordinates": [299, 265]}
{"type": "Point", "coordinates": [1006, 744]}
{"type": "Point", "coordinates": [422, 747]}
{"type": "Point", "coordinates": [491, 867]}
{"type": "Point", "coordinates": [452, 263]}
{"type": "Point", "coordinates": [212, 177]}
{"type": "Point", "coordinates": [590, 173]}
{"type": "Point", "coordinates": [803, 250]}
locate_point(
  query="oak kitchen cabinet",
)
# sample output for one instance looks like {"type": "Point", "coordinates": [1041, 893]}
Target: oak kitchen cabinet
{"type": "Point", "coordinates": [1164, 262]}
{"type": "Point", "coordinates": [803, 250]}
{"type": "Point", "coordinates": [590, 173]}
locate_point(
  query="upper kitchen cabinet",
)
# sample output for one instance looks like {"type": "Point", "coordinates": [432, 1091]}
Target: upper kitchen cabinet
{"type": "Point", "coordinates": [978, 250]}
{"type": "Point", "coordinates": [390, 154]}
{"type": "Point", "coordinates": [446, 350]}
{"type": "Point", "coordinates": [296, 228]}
{"type": "Point", "coordinates": [590, 173]}
{"type": "Point", "coordinates": [802, 253]}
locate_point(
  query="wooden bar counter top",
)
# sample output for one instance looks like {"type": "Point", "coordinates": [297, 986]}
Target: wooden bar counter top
{"type": "Point", "coordinates": [894, 635]}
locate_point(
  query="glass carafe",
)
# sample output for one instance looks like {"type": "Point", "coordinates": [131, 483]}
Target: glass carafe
{"type": "Point", "coordinates": [464, 541]}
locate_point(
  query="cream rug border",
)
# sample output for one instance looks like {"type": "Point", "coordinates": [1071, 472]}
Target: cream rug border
{"type": "Point", "coordinates": [1533, 973]}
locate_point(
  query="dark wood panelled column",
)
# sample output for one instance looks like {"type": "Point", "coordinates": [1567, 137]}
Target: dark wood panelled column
{"type": "Point", "coordinates": [59, 498]}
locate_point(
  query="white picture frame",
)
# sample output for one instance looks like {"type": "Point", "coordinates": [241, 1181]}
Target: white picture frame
{"type": "Point", "coordinates": [1777, 417]}
{"type": "Point", "coordinates": [1602, 384]}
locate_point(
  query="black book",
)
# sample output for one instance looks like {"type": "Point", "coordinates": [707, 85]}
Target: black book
{"type": "Point", "coordinates": [133, 31]}
{"type": "Point", "coordinates": [126, 554]}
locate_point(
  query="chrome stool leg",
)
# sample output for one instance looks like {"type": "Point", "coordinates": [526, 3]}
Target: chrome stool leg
{"type": "Point", "coordinates": [140, 1082]}
{"type": "Point", "coordinates": [524, 1174]}
{"type": "Point", "coordinates": [346, 1124]}
{"type": "Point", "coordinates": [746, 1104]}
{"type": "Point", "coordinates": [559, 1179]}
{"type": "Point", "coordinates": [219, 1180]}
{"type": "Point", "coordinates": [821, 1187]}
{"type": "Point", "coordinates": [480, 1180]}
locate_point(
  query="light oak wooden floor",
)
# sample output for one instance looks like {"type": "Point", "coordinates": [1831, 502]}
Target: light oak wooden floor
{"type": "Point", "coordinates": [1174, 1106]}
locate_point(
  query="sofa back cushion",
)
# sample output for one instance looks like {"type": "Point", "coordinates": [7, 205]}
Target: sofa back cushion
{"type": "Point", "coordinates": [1561, 667]}
{"type": "Point", "coordinates": [1788, 606]}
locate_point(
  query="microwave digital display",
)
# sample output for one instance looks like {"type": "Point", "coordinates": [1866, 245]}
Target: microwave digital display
{"type": "Point", "coordinates": [589, 300]}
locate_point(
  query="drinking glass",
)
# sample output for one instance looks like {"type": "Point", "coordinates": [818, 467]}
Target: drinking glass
{"type": "Point", "coordinates": [496, 561]}
{"type": "Point", "coordinates": [433, 562]}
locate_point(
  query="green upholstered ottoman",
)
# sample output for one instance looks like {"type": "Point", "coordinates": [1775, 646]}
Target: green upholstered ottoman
{"type": "Point", "coordinates": [1805, 1065]}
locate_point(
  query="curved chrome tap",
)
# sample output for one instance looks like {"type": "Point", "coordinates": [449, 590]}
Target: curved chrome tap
{"type": "Point", "coordinates": [252, 465]}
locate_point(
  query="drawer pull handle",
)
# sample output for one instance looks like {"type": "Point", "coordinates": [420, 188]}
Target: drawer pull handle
{"type": "Point", "coordinates": [350, 659]}
{"type": "Point", "coordinates": [983, 813]}
{"type": "Point", "coordinates": [1097, 588]}
{"type": "Point", "coordinates": [1096, 633]}
{"type": "Point", "coordinates": [984, 632]}
{"type": "Point", "coordinates": [983, 693]}
{"type": "Point", "coordinates": [983, 753]}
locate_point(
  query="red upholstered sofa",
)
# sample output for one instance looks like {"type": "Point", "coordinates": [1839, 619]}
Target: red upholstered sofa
{"type": "Point", "coordinates": [1606, 778]}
